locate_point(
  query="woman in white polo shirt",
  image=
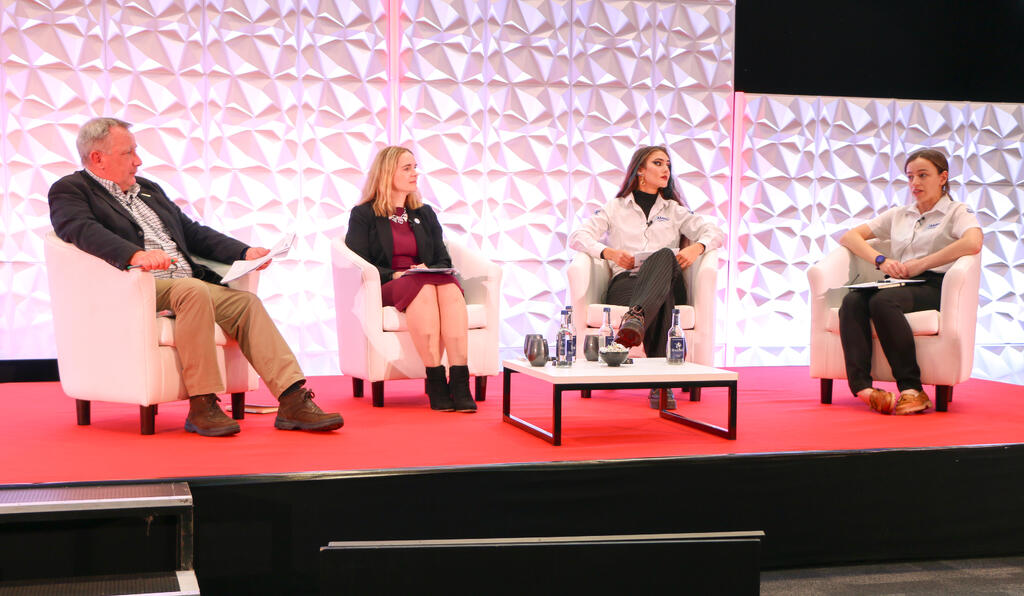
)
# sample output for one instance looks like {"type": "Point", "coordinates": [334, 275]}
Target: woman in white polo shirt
{"type": "Point", "coordinates": [926, 236]}
{"type": "Point", "coordinates": [646, 216]}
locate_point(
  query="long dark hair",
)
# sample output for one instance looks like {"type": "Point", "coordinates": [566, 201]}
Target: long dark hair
{"type": "Point", "coordinates": [632, 180]}
{"type": "Point", "coordinates": [937, 159]}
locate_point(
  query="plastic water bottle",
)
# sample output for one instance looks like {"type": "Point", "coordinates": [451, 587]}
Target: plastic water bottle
{"type": "Point", "coordinates": [675, 350]}
{"type": "Point", "coordinates": [572, 334]}
{"type": "Point", "coordinates": [563, 343]}
{"type": "Point", "coordinates": [607, 337]}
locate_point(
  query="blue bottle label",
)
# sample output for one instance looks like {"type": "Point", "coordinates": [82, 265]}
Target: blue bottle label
{"type": "Point", "coordinates": [677, 348]}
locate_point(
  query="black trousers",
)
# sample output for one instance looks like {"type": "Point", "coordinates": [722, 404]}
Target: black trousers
{"type": "Point", "coordinates": [885, 308]}
{"type": "Point", "coordinates": [657, 287]}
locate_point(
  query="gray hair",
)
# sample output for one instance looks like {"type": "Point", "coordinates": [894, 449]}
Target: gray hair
{"type": "Point", "coordinates": [95, 132]}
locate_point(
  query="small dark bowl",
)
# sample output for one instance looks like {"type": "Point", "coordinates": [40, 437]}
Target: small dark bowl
{"type": "Point", "coordinates": [614, 358]}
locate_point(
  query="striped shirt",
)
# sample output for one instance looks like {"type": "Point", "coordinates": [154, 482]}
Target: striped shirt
{"type": "Point", "coordinates": [155, 236]}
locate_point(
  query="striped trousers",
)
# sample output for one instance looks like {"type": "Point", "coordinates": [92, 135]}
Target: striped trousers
{"type": "Point", "coordinates": [657, 287]}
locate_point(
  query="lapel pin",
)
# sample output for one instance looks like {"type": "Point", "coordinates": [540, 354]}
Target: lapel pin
{"type": "Point", "coordinates": [416, 220]}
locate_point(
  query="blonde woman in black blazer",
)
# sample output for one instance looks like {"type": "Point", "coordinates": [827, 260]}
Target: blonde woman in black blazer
{"type": "Point", "coordinates": [394, 231]}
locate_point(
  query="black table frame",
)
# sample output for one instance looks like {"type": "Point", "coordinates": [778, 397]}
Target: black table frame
{"type": "Point", "coordinates": [555, 437]}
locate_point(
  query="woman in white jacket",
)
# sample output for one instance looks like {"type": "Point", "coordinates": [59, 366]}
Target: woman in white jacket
{"type": "Point", "coordinates": [640, 232]}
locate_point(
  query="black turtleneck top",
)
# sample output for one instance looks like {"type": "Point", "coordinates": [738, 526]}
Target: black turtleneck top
{"type": "Point", "coordinates": [645, 200]}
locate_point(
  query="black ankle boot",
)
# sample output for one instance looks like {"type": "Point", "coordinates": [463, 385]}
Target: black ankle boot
{"type": "Point", "coordinates": [437, 390]}
{"type": "Point", "coordinates": [461, 394]}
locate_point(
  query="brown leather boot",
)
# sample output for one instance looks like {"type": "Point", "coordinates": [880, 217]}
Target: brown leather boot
{"type": "Point", "coordinates": [631, 328]}
{"type": "Point", "coordinates": [206, 418]}
{"type": "Point", "coordinates": [296, 411]}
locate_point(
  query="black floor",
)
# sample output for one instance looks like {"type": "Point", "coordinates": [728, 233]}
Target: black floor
{"type": "Point", "coordinates": [1004, 575]}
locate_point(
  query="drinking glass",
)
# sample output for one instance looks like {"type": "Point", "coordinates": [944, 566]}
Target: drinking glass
{"type": "Point", "coordinates": [591, 347]}
{"type": "Point", "coordinates": [537, 351]}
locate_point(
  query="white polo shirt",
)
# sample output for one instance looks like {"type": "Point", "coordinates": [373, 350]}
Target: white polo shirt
{"type": "Point", "coordinates": [621, 224]}
{"type": "Point", "coordinates": [913, 235]}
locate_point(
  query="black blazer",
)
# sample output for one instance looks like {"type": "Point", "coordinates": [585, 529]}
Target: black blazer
{"type": "Point", "coordinates": [85, 214]}
{"type": "Point", "coordinates": [369, 236]}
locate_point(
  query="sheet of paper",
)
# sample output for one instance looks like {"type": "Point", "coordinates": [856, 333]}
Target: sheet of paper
{"type": "Point", "coordinates": [885, 283]}
{"type": "Point", "coordinates": [640, 257]}
{"type": "Point", "coordinates": [240, 268]}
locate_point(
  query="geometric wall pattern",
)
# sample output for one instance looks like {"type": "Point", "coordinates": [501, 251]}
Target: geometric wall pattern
{"type": "Point", "coordinates": [812, 167]}
{"type": "Point", "coordinates": [261, 118]}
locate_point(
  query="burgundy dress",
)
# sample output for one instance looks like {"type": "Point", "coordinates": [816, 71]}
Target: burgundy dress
{"type": "Point", "coordinates": [400, 292]}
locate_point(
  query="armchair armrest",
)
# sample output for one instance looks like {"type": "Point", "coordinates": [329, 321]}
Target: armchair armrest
{"type": "Point", "coordinates": [480, 278]}
{"type": "Point", "coordinates": [959, 300]}
{"type": "Point", "coordinates": [357, 298]}
{"type": "Point", "coordinates": [703, 287]}
{"type": "Point", "coordinates": [104, 321]}
{"type": "Point", "coordinates": [588, 282]}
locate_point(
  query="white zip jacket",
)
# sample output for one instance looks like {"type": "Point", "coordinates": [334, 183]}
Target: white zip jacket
{"type": "Point", "coordinates": [621, 225]}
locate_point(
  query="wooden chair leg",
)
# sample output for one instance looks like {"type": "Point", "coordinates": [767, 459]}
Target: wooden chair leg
{"type": "Point", "coordinates": [147, 419]}
{"type": "Point", "coordinates": [357, 387]}
{"type": "Point", "coordinates": [694, 393]}
{"type": "Point", "coordinates": [377, 390]}
{"type": "Point", "coordinates": [943, 395]}
{"type": "Point", "coordinates": [826, 391]}
{"type": "Point", "coordinates": [585, 393]}
{"type": "Point", "coordinates": [83, 411]}
{"type": "Point", "coordinates": [238, 406]}
{"type": "Point", "coordinates": [481, 388]}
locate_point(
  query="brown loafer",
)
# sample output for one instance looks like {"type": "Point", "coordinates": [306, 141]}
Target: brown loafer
{"type": "Point", "coordinates": [296, 411]}
{"type": "Point", "coordinates": [912, 401]}
{"type": "Point", "coordinates": [881, 401]}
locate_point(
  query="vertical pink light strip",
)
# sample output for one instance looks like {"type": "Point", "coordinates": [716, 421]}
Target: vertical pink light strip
{"type": "Point", "coordinates": [393, 12]}
{"type": "Point", "coordinates": [739, 108]}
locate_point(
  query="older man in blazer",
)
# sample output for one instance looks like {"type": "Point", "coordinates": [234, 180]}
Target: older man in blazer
{"type": "Point", "coordinates": [108, 212]}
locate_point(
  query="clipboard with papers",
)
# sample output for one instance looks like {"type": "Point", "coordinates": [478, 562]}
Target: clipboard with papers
{"type": "Point", "coordinates": [883, 284]}
{"type": "Point", "coordinates": [241, 268]}
{"type": "Point", "coordinates": [447, 270]}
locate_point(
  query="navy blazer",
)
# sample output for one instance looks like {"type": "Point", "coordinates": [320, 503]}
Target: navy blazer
{"type": "Point", "coordinates": [369, 236]}
{"type": "Point", "coordinates": [87, 215]}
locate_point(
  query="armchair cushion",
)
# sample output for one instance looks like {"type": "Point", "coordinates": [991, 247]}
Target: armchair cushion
{"type": "Point", "coordinates": [922, 322]}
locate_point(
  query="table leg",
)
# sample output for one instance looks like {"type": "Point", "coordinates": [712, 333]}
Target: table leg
{"type": "Point", "coordinates": [556, 412]}
{"type": "Point", "coordinates": [725, 433]}
{"type": "Point", "coordinates": [506, 413]}
{"type": "Point", "coordinates": [506, 393]}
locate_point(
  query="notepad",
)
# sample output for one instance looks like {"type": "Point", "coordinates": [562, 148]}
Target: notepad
{"type": "Point", "coordinates": [883, 284]}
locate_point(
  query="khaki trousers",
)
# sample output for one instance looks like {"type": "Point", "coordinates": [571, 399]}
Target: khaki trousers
{"type": "Point", "coordinates": [197, 305]}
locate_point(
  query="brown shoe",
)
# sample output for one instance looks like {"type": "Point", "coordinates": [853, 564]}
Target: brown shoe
{"type": "Point", "coordinates": [206, 418]}
{"type": "Point", "coordinates": [631, 328]}
{"type": "Point", "coordinates": [296, 411]}
{"type": "Point", "coordinates": [912, 401]}
{"type": "Point", "coordinates": [881, 401]}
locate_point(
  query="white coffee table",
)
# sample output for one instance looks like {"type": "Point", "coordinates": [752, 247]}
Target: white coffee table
{"type": "Point", "coordinates": [645, 373]}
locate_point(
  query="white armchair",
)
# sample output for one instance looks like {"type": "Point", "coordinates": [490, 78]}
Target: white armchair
{"type": "Point", "coordinates": [588, 283]}
{"type": "Point", "coordinates": [373, 341]}
{"type": "Point", "coordinates": [112, 346]}
{"type": "Point", "coordinates": [944, 338]}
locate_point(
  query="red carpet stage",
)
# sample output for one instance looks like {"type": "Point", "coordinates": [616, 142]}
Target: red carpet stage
{"type": "Point", "coordinates": [779, 412]}
{"type": "Point", "coordinates": [826, 484]}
